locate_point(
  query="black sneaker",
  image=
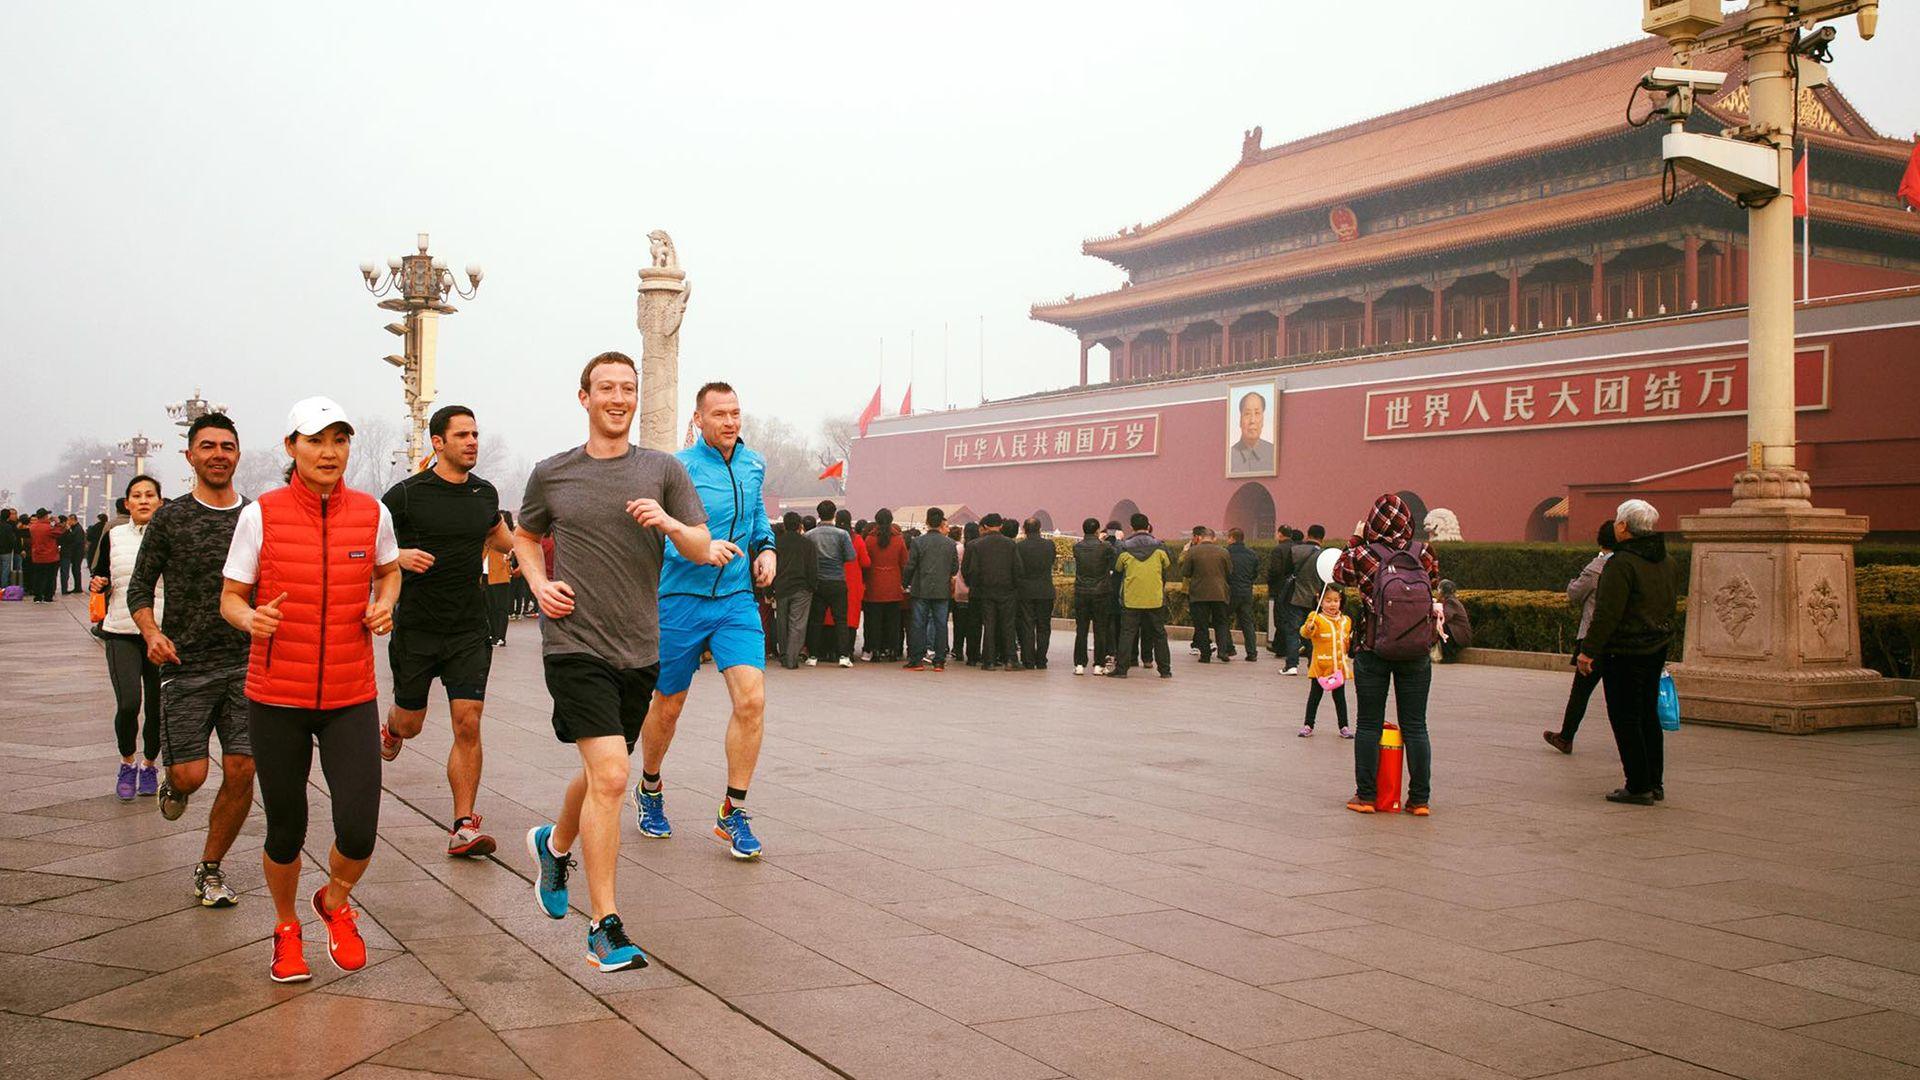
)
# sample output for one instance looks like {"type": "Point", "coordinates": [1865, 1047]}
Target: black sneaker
{"type": "Point", "coordinates": [1622, 795]}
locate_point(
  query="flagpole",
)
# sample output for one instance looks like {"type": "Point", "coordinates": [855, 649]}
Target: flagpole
{"type": "Point", "coordinates": [983, 359]}
{"type": "Point", "coordinates": [946, 354]}
{"type": "Point", "coordinates": [910, 361]}
{"type": "Point", "coordinates": [1806, 228]}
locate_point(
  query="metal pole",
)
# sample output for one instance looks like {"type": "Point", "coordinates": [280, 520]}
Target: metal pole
{"type": "Point", "coordinates": [946, 355]}
{"type": "Point", "coordinates": [983, 359]}
{"type": "Point", "coordinates": [1770, 419]}
{"type": "Point", "coordinates": [1806, 228]}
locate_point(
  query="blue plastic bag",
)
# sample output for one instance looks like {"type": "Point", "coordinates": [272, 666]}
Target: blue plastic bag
{"type": "Point", "coordinates": [1669, 707]}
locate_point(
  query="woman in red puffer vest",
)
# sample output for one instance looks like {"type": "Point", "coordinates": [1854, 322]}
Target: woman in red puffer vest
{"type": "Point", "coordinates": [312, 574]}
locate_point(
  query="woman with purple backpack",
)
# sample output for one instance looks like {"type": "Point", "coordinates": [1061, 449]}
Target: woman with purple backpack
{"type": "Point", "coordinates": [1399, 582]}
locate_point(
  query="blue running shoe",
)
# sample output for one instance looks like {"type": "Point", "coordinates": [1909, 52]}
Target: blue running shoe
{"type": "Point", "coordinates": [653, 813]}
{"type": "Point", "coordinates": [736, 830]}
{"type": "Point", "coordinates": [550, 880]}
{"type": "Point", "coordinates": [608, 948]}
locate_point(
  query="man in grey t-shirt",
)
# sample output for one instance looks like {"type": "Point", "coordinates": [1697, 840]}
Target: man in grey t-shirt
{"type": "Point", "coordinates": [835, 549]}
{"type": "Point", "coordinates": [610, 507]}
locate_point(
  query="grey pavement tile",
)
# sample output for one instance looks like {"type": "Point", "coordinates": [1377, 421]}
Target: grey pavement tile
{"type": "Point", "coordinates": [1650, 1067]}
{"type": "Point", "coordinates": [1268, 875]}
{"type": "Point", "coordinates": [1495, 931]}
{"type": "Point", "coordinates": [563, 943]}
{"type": "Point", "coordinates": [1678, 904]}
{"type": "Point", "coordinates": [148, 857]}
{"type": "Point", "coordinates": [367, 1070]}
{"type": "Point", "coordinates": [869, 1031]}
{"type": "Point", "coordinates": [1735, 993]}
{"type": "Point", "coordinates": [964, 983]}
{"type": "Point", "coordinates": [1485, 893]}
{"type": "Point", "coordinates": [1866, 946]}
{"type": "Point", "coordinates": [1846, 978]}
{"type": "Point", "coordinates": [956, 823]}
{"type": "Point", "coordinates": [144, 898]}
{"type": "Point", "coordinates": [1889, 1034]}
{"type": "Point", "coordinates": [1050, 892]}
{"type": "Point", "coordinates": [297, 1040]}
{"type": "Point", "coordinates": [82, 1050]}
{"type": "Point", "coordinates": [1241, 905]}
{"type": "Point", "coordinates": [199, 997]}
{"type": "Point", "coordinates": [609, 1049]}
{"type": "Point", "coordinates": [17, 826]}
{"type": "Point", "coordinates": [1490, 976]}
{"type": "Point", "coordinates": [869, 877]}
{"type": "Point", "coordinates": [713, 1038]}
{"type": "Point", "coordinates": [506, 984]}
{"type": "Point", "coordinates": [1008, 930]}
{"type": "Point", "coordinates": [1891, 917]}
{"type": "Point", "coordinates": [462, 1046]}
{"type": "Point", "coordinates": [1115, 1044]}
{"type": "Point", "coordinates": [1698, 943]}
{"type": "Point", "coordinates": [734, 955]}
{"type": "Point", "coordinates": [1463, 1026]}
{"type": "Point", "coordinates": [415, 910]}
{"type": "Point", "coordinates": [1205, 1005]}
{"type": "Point", "coordinates": [1084, 860]}
{"type": "Point", "coordinates": [1375, 1053]}
{"type": "Point", "coordinates": [1714, 1040]}
{"type": "Point", "coordinates": [695, 861]}
{"type": "Point", "coordinates": [921, 848]}
{"type": "Point", "coordinates": [1128, 835]}
{"type": "Point", "coordinates": [33, 929]}
{"type": "Point", "coordinates": [182, 937]}
{"type": "Point", "coordinates": [811, 914]}
{"type": "Point", "coordinates": [39, 984]}
{"type": "Point", "coordinates": [26, 887]}
{"type": "Point", "coordinates": [402, 979]}
{"type": "Point", "coordinates": [34, 853]}
{"type": "Point", "coordinates": [1236, 952]}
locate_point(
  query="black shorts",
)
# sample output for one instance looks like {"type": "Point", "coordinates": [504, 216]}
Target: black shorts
{"type": "Point", "coordinates": [592, 698]}
{"type": "Point", "coordinates": [459, 661]}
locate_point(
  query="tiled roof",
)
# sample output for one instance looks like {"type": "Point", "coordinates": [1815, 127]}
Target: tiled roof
{"type": "Point", "coordinates": [1516, 219]}
{"type": "Point", "coordinates": [1578, 101]}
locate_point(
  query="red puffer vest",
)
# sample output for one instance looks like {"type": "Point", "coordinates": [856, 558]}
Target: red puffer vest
{"type": "Point", "coordinates": [320, 553]}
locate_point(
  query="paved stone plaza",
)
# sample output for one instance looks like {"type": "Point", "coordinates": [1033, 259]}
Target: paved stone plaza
{"type": "Point", "coordinates": [1002, 876]}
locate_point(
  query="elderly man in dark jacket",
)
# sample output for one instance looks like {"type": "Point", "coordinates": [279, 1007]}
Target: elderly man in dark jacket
{"type": "Point", "coordinates": [795, 574]}
{"type": "Point", "coordinates": [989, 569]}
{"type": "Point", "coordinates": [1037, 555]}
{"type": "Point", "coordinates": [1093, 561]}
{"type": "Point", "coordinates": [1279, 588]}
{"type": "Point", "coordinates": [1633, 617]}
{"type": "Point", "coordinates": [1206, 567]}
{"type": "Point", "coordinates": [1243, 573]}
{"type": "Point", "coordinates": [932, 559]}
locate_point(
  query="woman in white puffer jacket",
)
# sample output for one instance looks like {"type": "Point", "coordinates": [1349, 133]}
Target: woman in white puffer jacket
{"type": "Point", "coordinates": [135, 678]}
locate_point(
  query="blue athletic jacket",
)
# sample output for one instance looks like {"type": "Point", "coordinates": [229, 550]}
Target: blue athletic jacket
{"type": "Point", "coordinates": [730, 492]}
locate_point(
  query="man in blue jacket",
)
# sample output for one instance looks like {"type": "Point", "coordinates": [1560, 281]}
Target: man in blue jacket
{"type": "Point", "coordinates": [711, 609]}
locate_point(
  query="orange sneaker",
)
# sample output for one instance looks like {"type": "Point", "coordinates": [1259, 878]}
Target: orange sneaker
{"type": "Point", "coordinates": [344, 945]}
{"type": "Point", "coordinates": [1419, 811]}
{"type": "Point", "coordinates": [289, 960]}
{"type": "Point", "coordinates": [1359, 807]}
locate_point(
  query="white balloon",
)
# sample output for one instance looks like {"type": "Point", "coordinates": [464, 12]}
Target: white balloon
{"type": "Point", "coordinates": [1325, 563]}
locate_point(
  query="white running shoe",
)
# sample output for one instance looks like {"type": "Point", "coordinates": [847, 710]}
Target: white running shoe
{"type": "Point", "coordinates": [1081, 669]}
{"type": "Point", "coordinates": [813, 661]}
{"type": "Point", "coordinates": [846, 661]}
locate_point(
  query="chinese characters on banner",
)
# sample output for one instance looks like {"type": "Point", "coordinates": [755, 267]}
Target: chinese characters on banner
{"type": "Point", "coordinates": [1079, 439]}
{"type": "Point", "coordinates": [1688, 389]}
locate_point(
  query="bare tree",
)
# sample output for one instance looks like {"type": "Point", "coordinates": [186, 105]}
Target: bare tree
{"type": "Point", "coordinates": [836, 438]}
{"type": "Point", "coordinates": [44, 490]}
{"type": "Point", "coordinates": [506, 470]}
{"type": "Point", "coordinates": [791, 468]}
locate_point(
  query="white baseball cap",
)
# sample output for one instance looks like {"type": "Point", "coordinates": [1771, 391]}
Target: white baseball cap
{"type": "Point", "coordinates": [311, 416]}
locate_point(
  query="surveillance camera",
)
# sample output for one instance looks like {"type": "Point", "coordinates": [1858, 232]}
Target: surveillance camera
{"type": "Point", "coordinates": [1673, 78]}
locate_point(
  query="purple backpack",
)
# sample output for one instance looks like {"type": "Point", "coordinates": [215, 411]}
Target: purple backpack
{"type": "Point", "coordinates": [1402, 623]}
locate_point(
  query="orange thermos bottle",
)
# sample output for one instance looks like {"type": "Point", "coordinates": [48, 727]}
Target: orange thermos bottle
{"type": "Point", "coordinates": [1386, 797]}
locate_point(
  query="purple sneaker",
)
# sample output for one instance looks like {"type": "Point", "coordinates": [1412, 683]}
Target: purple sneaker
{"type": "Point", "coordinates": [125, 785]}
{"type": "Point", "coordinates": [149, 780]}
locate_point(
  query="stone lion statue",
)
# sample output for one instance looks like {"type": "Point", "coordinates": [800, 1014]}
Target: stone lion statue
{"type": "Point", "coordinates": [661, 246]}
{"type": "Point", "coordinates": [1441, 524]}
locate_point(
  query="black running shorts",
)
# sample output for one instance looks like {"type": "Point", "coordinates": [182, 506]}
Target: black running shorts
{"type": "Point", "coordinates": [460, 661]}
{"type": "Point", "coordinates": [592, 698]}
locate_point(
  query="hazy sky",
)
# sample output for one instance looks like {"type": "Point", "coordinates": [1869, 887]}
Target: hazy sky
{"type": "Point", "coordinates": [186, 189]}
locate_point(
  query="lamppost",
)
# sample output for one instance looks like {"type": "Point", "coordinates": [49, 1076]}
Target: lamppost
{"type": "Point", "coordinates": [69, 488]}
{"type": "Point", "coordinates": [1772, 629]}
{"type": "Point", "coordinates": [423, 283]}
{"type": "Point", "coordinates": [106, 466]}
{"type": "Point", "coordinates": [83, 482]}
{"type": "Point", "coordinates": [140, 447]}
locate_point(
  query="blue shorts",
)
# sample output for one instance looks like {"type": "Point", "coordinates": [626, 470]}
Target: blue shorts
{"type": "Point", "coordinates": [727, 627]}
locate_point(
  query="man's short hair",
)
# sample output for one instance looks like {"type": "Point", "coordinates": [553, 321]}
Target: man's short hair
{"type": "Point", "coordinates": [1090, 526]}
{"type": "Point", "coordinates": [211, 420]}
{"type": "Point", "coordinates": [825, 509]}
{"type": "Point", "coordinates": [1236, 534]}
{"type": "Point", "coordinates": [442, 416]}
{"type": "Point", "coordinates": [1031, 526]}
{"type": "Point", "coordinates": [790, 521]}
{"type": "Point", "coordinates": [1639, 516]}
{"type": "Point", "coordinates": [700, 395]}
{"type": "Point", "coordinates": [1139, 522]}
{"type": "Point", "coordinates": [991, 521]}
{"type": "Point", "coordinates": [586, 373]}
{"type": "Point", "coordinates": [1317, 532]}
{"type": "Point", "coordinates": [1199, 531]}
{"type": "Point", "coordinates": [809, 521]}
{"type": "Point", "coordinates": [1252, 395]}
{"type": "Point", "coordinates": [1114, 525]}
{"type": "Point", "coordinates": [935, 516]}
{"type": "Point", "coordinates": [1296, 535]}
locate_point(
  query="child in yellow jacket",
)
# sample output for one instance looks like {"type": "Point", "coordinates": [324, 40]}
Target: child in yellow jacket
{"type": "Point", "coordinates": [1328, 631]}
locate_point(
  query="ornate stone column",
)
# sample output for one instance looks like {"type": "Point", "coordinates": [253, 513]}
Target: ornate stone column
{"type": "Point", "coordinates": [664, 292]}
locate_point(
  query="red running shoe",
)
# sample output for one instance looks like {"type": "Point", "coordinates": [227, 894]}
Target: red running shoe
{"type": "Point", "coordinates": [344, 945]}
{"type": "Point", "coordinates": [289, 960]}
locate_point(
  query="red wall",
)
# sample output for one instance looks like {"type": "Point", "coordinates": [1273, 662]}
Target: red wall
{"type": "Point", "coordinates": [1495, 481]}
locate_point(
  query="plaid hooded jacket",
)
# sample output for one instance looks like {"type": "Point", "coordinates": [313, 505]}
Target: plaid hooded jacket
{"type": "Point", "coordinates": [1391, 524]}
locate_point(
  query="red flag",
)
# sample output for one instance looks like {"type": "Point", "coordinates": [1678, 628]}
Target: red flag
{"type": "Point", "coordinates": [868, 414]}
{"type": "Point", "coordinates": [835, 471]}
{"type": "Point", "coordinates": [1909, 188]}
{"type": "Point", "coordinates": [1800, 187]}
{"type": "Point", "coordinates": [906, 403]}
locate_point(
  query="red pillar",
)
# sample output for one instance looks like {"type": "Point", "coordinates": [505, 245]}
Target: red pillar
{"type": "Point", "coordinates": [1226, 345]}
{"type": "Point", "coordinates": [1126, 355]}
{"type": "Point", "coordinates": [1690, 286]}
{"type": "Point", "coordinates": [1439, 310]}
{"type": "Point", "coordinates": [1280, 333]}
{"type": "Point", "coordinates": [1513, 297]}
{"type": "Point", "coordinates": [1083, 361]}
{"type": "Point", "coordinates": [1599, 286]}
{"type": "Point", "coordinates": [1366, 321]}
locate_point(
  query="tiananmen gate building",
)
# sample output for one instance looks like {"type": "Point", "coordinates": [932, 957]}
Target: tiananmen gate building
{"type": "Point", "coordinates": [1492, 303]}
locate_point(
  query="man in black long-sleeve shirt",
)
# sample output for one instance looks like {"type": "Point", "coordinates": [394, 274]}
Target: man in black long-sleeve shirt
{"type": "Point", "coordinates": [795, 576]}
{"type": "Point", "coordinates": [1035, 577]}
{"type": "Point", "coordinates": [989, 568]}
{"type": "Point", "coordinates": [202, 658]}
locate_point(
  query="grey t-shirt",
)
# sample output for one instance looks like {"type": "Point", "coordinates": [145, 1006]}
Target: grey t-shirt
{"type": "Point", "coordinates": [610, 561]}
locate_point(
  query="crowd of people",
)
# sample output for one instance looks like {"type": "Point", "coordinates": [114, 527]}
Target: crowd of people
{"type": "Point", "coordinates": [252, 621]}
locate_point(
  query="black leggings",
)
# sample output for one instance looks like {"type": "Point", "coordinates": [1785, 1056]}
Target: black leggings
{"type": "Point", "coordinates": [1315, 690]}
{"type": "Point", "coordinates": [349, 739]}
{"type": "Point", "coordinates": [131, 673]}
